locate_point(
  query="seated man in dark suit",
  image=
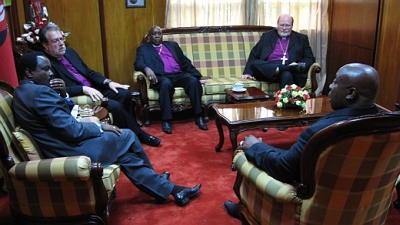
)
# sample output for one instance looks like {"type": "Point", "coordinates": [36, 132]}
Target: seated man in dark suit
{"type": "Point", "coordinates": [164, 63]}
{"type": "Point", "coordinates": [352, 94]}
{"type": "Point", "coordinates": [80, 79]}
{"type": "Point", "coordinates": [44, 112]}
{"type": "Point", "coordinates": [281, 55]}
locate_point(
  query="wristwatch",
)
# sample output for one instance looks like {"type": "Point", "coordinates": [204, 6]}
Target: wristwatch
{"type": "Point", "coordinates": [107, 82]}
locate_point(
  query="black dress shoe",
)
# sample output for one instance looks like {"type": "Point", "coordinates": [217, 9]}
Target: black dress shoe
{"type": "Point", "coordinates": [282, 128]}
{"type": "Point", "coordinates": [232, 209]}
{"type": "Point", "coordinates": [152, 141]}
{"type": "Point", "coordinates": [166, 128]}
{"type": "Point", "coordinates": [183, 197]}
{"type": "Point", "coordinates": [298, 68]}
{"type": "Point", "coordinates": [165, 175]}
{"type": "Point", "coordinates": [200, 122]}
{"type": "Point", "coordinates": [396, 204]}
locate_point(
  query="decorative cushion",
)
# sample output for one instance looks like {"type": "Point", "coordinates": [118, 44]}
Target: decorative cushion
{"type": "Point", "coordinates": [26, 146]}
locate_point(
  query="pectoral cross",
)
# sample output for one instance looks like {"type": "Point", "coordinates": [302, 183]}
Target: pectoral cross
{"type": "Point", "coordinates": [284, 59]}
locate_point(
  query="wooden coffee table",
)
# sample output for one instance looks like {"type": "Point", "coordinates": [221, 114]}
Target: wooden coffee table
{"type": "Point", "coordinates": [249, 116]}
{"type": "Point", "coordinates": [252, 94]}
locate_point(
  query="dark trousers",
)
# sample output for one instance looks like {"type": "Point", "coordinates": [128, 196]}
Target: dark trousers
{"type": "Point", "coordinates": [137, 167]}
{"type": "Point", "coordinates": [264, 71]}
{"type": "Point", "coordinates": [166, 87]}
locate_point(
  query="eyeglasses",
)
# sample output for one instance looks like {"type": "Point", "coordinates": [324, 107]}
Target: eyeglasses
{"type": "Point", "coordinates": [285, 25]}
{"type": "Point", "coordinates": [58, 40]}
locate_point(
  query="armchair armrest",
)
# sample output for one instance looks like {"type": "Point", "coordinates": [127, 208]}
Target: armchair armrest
{"type": "Point", "coordinates": [280, 192]}
{"type": "Point", "coordinates": [86, 100]}
{"type": "Point", "coordinates": [312, 84]}
{"type": "Point", "coordinates": [144, 83]}
{"type": "Point", "coordinates": [76, 168]}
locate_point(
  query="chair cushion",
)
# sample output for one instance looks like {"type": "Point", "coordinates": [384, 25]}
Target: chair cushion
{"type": "Point", "coordinates": [26, 146]}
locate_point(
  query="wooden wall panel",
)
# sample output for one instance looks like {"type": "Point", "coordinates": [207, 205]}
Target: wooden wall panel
{"type": "Point", "coordinates": [352, 34]}
{"type": "Point", "coordinates": [354, 22]}
{"type": "Point", "coordinates": [81, 18]}
{"type": "Point", "coordinates": [387, 54]}
{"type": "Point", "coordinates": [125, 28]}
{"type": "Point", "coordinates": [341, 54]}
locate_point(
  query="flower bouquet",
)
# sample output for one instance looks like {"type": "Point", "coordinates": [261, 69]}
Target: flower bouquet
{"type": "Point", "coordinates": [291, 96]}
{"type": "Point", "coordinates": [39, 18]}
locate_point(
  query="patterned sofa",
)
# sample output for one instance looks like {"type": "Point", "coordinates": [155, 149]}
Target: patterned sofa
{"type": "Point", "coordinates": [220, 52]}
{"type": "Point", "coordinates": [67, 190]}
{"type": "Point", "coordinates": [348, 172]}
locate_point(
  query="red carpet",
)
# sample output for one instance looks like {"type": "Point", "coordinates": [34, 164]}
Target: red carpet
{"type": "Point", "coordinates": [189, 154]}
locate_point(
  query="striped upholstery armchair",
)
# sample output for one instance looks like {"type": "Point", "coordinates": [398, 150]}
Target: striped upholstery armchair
{"type": "Point", "coordinates": [220, 52]}
{"type": "Point", "coordinates": [69, 190]}
{"type": "Point", "coordinates": [348, 172]}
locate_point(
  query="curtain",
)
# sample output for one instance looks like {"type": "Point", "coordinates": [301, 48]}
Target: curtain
{"type": "Point", "coordinates": [310, 18]}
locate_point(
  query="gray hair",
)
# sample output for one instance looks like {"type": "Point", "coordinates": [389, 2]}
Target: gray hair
{"type": "Point", "coordinates": [43, 32]}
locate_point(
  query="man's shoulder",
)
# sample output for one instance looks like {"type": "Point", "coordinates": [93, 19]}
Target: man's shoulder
{"type": "Point", "coordinates": [70, 51]}
{"type": "Point", "coordinates": [271, 32]}
{"type": "Point", "coordinates": [30, 89]}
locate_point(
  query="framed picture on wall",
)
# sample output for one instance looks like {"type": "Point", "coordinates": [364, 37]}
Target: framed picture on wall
{"type": "Point", "coordinates": [136, 3]}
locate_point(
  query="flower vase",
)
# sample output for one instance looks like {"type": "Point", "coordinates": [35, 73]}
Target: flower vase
{"type": "Point", "coordinates": [291, 106]}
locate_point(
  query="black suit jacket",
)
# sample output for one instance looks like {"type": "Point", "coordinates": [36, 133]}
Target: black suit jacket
{"type": "Point", "coordinates": [284, 165]}
{"type": "Point", "coordinates": [74, 87]}
{"type": "Point", "coordinates": [299, 49]}
{"type": "Point", "coordinates": [147, 56]}
{"type": "Point", "coordinates": [46, 116]}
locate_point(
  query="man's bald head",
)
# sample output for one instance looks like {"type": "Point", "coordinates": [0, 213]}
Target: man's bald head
{"type": "Point", "coordinates": [355, 85]}
{"type": "Point", "coordinates": [154, 35]}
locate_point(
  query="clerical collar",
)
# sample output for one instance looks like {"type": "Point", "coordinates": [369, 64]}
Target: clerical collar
{"type": "Point", "coordinates": [157, 46]}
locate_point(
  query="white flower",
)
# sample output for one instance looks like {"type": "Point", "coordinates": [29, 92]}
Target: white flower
{"type": "Point", "coordinates": [280, 96]}
{"type": "Point", "coordinates": [279, 104]}
{"type": "Point", "coordinates": [298, 103]}
{"type": "Point", "coordinates": [300, 93]}
{"type": "Point", "coordinates": [285, 100]}
{"type": "Point", "coordinates": [293, 86]}
{"type": "Point", "coordinates": [27, 26]}
{"type": "Point", "coordinates": [305, 92]}
{"type": "Point", "coordinates": [30, 39]}
{"type": "Point", "coordinates": [294, 94]}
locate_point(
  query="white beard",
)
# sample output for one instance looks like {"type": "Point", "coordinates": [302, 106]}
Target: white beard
{"type": "Point", "coordinates": [284, 34]}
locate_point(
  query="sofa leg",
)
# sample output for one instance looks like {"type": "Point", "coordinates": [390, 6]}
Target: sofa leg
{"type": "Point", "coordinates": [205, 112]}
{"type": "Point", "coordinates": [146, 113]}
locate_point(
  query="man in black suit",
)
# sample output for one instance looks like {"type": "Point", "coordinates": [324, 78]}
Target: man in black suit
{"type": "Point", "coordinates": [164, 63]}
{"type": "Point", "coordinates": [81, 80]}
{"type": "Point", "coordinates": [281, 55]}
{"type": "Point", "coordinates": [41, 107]}
{"type": "Point", "coordinates": [352, 94]}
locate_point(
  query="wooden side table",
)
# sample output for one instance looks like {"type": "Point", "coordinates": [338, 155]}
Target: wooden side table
{"type": "Point", "coordinates": [138, 103]}
{"type": "Point", "coordinates": [252, 94]}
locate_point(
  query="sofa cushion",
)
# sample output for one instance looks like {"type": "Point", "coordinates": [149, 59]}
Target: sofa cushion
{"type": "Point", "coordinates": [219, 55]}
{"type": "Point", "coordinates": [218, 85]}
{"type": "Point", "coordinates": [26, 146]}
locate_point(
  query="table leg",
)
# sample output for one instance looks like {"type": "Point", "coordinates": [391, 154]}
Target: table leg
{"type": "Point", "coordinates": [218, 123]}
{"type": "Point", "coordinates": [136, 99]}
{"type": "Point", "coordinates": [233, 136]}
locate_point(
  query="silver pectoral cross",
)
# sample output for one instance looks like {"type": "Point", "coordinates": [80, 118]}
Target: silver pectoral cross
{"type": "Point", "coordinates": [284, 59]}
